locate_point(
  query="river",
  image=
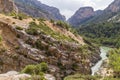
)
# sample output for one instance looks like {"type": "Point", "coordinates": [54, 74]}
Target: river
{"type": "Point", "coordinates": [103, 55]}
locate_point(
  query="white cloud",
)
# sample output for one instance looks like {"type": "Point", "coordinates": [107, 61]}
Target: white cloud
{"type": "Point", "coordinates": [68, 7]}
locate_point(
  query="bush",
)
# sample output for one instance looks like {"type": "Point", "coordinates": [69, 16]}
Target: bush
{"type": "Point", "coordinates": [63, 25]}
{"type": "Point", "coordinates": [0, 38]}
{"type": "Point", "coordinates": [19, 28]}
{"type": "Point", "coordinates": [30, 69]}
{"type": "Point", "coordinates": [43, 67]}
{"type": "Point", "coordinates": [32, 31]}
{"type": "Point", "coordinates": [38, 69]}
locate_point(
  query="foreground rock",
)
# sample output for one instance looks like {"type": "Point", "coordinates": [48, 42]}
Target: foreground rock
{"type": "Point", "coordinates": [13, 75]}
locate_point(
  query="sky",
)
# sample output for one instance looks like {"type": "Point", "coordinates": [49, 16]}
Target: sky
{"type": "Point", "coordinates": [69, 7]}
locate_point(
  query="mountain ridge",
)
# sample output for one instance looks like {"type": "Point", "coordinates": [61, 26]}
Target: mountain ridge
{"type": "Point", "coordinates": [37, 9]}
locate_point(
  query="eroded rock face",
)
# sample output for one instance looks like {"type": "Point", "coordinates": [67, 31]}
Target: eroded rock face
{"type": "Point", "coordinates": [7, 6]}
{"type": "Point", "coordinates": [114, 6]}
{"type": "Point", "coordinates": [81, 15]}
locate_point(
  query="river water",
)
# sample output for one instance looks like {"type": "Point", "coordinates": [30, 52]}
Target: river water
{"type": "Point", "coordinates": [103, 55]}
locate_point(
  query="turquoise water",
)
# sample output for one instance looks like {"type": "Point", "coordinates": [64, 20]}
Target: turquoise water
{"type": "Point", "coordinates": [103, 55]}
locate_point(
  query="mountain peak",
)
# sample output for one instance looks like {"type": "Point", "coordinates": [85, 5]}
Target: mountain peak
{"type": "Point", "coordinates": [81, 15]}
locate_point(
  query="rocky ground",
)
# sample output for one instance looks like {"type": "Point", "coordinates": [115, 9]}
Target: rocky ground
{"type": "Point", "coordinates": [13, 75]}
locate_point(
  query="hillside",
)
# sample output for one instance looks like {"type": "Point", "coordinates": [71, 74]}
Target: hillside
{"type": "Point", "coordinates": [106, 33]}
{"type": "Point", "coordinates": [36, 41]}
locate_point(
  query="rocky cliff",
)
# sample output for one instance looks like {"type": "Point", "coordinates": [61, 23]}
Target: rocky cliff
{"type": "Point", "coordinates": [36, 9]}
{"type": "Point", "coordinates": [7, 6]}
{"type": "Point", "coordinates": [81, 16]}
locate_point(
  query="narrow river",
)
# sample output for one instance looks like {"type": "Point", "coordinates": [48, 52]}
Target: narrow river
{"type": "Point", "coordinates": [103, 55]}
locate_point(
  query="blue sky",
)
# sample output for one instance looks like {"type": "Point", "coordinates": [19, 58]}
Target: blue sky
{"type": "Point", "coordinates": [68, 7]}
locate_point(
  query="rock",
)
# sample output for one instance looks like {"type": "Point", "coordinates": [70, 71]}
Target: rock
{"type": "Point", "coordinates": [49, 77]}
{"type": "Point", "coordinates": [7, 6]}
{"type": "Point", "coordinates": [114, 6]}
{"type": "Point", "coordinates": [13, 75]}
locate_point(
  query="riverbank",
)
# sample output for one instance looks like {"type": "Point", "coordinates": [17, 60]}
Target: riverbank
{"type": "Point", "coordinates": [95, 69]}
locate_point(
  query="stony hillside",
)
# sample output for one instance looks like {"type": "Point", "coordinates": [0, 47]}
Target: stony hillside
{"type": "Point", "coordinates": [31, 41]}
{"type": "Point", "coordinates": [36, 9]}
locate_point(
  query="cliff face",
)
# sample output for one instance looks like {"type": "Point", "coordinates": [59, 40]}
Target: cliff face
{"type": "Point", "coordinates": [36, 9]}
{"type": "Point", "coordinates": [7, 6]}
{"type": "Point", "coordinates": [81, 15]}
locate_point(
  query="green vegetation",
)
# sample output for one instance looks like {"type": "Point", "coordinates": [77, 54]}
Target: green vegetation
{"type": "Point", "coordinates": [19, 28]}
{"type": "Point", "coordinates": [36, 69]}
{"type": "Point", "coordinates": [35, 29]}
{"type": "Point", "coordinates": [114, 63]}
{"type": "Point", "coordinates": [0, 38]}
{"type": "Point", "coordinates": [82, 77]}
{"type": "Point", "coordinates": [106, 33]}
{"type": "Point", "coordinates": [63, 25]}
{"type": "Point", "coordinates": [19, 16]}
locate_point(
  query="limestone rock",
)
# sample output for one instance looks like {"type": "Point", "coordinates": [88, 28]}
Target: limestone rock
{"type": "Point", "coordinates": [7, 6]}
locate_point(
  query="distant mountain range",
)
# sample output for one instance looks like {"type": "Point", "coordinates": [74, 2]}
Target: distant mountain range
{"type": "Point", "coordinates": [88, 15]}
{"type": "Point", "coordinates": [82, 16]}
{"type": "Point", "coordinates": [36, 9]}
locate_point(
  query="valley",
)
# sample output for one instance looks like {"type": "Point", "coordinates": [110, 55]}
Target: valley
{"type": "Point", "coordinates": [38, 43]}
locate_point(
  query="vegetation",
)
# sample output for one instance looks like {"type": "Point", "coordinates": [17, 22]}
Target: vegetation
{"type": "Point", "coordinates": [0, 38]}
{"type": "Point", "coordinates": [36, 69]}
{"type": "Point", "coordinates": [63, 25]}
{"type": "Point", "coordinates": [35, 29]}
{"type": "Point", "coordinates": [106, 33]}
{"type": "Point", "coordinates": [19, 28]}
{"type": "Point", "coordinates": [114, 63]}
{"type": "Point", "coordinates": [19, 16]}
{"type": "Point", "coordinates": [82, 77]}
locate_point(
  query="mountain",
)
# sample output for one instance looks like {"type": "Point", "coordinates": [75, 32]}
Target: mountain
{"type": "Point", "coordinates": [96, 16]}
{"type": "Point", "coordinates": [36, 9]}
{"type": "Point", "coordinates": [7, 6]}
{"type": "Point", "coordinates": [81, 16]}
{"type": "Point", "coordinates": [104, 28]}
{"type": "Point", "coordinates": [114, 6]}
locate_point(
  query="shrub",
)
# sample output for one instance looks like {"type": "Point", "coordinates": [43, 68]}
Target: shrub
{"type": "Point", "coordinates": [0, 38]}
{"type": "Point", "coordinates": [63, 25]}
{"type": "Point", "coordinates": [32, 31]}
{"type": "Point", "coordinates": [30, 69]}
{"type": "Point", "coordinates": [38, 69]}
{"type": "Point", "coordinates": [19, 28]}
{"type": "Point", "coordinates": [13, 23]}
{"type": "Point", "coordinates": [43, 67]}
{"type": "Point", "coordinates": [20, 18]}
